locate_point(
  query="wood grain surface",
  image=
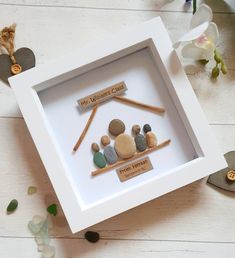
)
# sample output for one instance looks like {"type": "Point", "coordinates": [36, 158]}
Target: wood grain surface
{"type": "Point", "coordinates": [194, 221]}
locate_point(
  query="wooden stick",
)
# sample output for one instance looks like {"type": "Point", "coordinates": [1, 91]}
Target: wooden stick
{"type": "Point", "coordinates": [142, 105]}
{"type": "Point", "coordinates": [85, 129]}
{"type": "Point", "coordinates": [136, 156]}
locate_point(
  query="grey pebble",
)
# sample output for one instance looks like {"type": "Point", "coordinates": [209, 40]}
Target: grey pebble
{"type": "Point", "coordinates": [110, 154]}
{"type": "Point", "coordinates": [141, 143]}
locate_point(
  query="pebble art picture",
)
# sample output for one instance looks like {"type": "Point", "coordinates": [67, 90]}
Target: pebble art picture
{"type": "Point", "coordinates": [125, 147]}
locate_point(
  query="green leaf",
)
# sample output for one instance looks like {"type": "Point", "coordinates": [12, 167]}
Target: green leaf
{"type": "Point", "coordinates": [194, 6]}
{"type": "Point", "coordinates": [12, 206]}
{"type": "Point", "coordinates": [52, 209]}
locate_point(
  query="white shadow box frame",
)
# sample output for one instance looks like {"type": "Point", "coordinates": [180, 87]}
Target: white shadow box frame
{"type": "Point", "coordinates": [143, 57]}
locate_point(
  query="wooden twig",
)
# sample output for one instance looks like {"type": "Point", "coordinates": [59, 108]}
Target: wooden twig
{"type": "Point", "coordinates": [85, 129]}
{"type": "Point", "coordinates": [139, 104]}
{"type": "Point", "coordinates": [136, 156]}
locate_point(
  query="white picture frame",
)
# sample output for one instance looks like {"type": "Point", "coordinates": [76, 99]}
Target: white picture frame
{"type": "Point", "coordinates": [36, 88]}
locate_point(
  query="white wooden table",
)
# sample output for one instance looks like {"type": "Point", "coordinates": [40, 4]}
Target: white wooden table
{"type": "Point", "coordinates": [195, 221]}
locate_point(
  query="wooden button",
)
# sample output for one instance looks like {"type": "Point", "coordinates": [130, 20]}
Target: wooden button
{"type": "Point", "coordinates": [16, 68]}
{"type": "Point", "coordinates": [231, 175]}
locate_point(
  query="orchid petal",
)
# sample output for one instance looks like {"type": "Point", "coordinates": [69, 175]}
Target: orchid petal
{"type": "Point", "coordinates": [192, 34]}
{"type": "Point", "coordinates": [212, 33]}
{"type": "Point", "coordinates": [194, 52]}
{"type": "Point", "coordinates": [203, 14]}
{"type": "Point", "coordinates": [205, 43]}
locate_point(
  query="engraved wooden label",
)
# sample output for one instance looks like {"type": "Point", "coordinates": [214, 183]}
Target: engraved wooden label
{"type": "Point", "coordinates": [135, 168]}
{"type": "Point", "coordinates": [101, 96]}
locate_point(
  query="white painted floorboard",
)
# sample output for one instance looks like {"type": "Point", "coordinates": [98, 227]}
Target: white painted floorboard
{"type": "Point", "coordinates": [71, 248]}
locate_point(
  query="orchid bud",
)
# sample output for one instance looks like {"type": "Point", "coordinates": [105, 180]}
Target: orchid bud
{"type": "Point", "coordinates": [217, 57]}
{"type": "Point", "coordinates": [203, 61]}
{"type": "Point", "coordinates": [215, 72]}
{"type": "Point", "coordinates": [224, 68]}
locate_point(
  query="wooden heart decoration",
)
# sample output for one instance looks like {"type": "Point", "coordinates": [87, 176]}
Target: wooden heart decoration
{"type": "Point", "coordinates": [219, 179]}
{"type": "Point", "coordinates": [24, 57]}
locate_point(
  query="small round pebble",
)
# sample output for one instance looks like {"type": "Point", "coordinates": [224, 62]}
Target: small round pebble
{"type": "Point", "coordinates": [147, 128]}
{"type": "Point", "coordinates": [95, 147]}
{"type": "Point", "coordinates": [140, 142]}
{"type": "Point", "coordinates": [116, 127]}
{"type": "Point", "coordinates": [105, 140]}
{"type": "Point", "coordinates": [99, 160]}
{"type": "Point", "coordinates": [125, 146]}
{"type": "Point", "coordinates": [136, 129]}
{"type": "Point", "coordinates": [92, 236]}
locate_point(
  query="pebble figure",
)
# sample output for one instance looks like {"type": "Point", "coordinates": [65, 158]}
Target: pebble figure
{"type": "Point", "coordinates": [109, 152]}
{"type": "Point", "coordinates": [140, 142]}
{"type": "Point", "coordinates": [98, 158]}
{"type": "Point", "coordinates": [151, 139]}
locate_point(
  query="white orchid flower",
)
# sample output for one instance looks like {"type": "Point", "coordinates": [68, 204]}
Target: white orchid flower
{"type": "Point", "coordinates": [202, 36]}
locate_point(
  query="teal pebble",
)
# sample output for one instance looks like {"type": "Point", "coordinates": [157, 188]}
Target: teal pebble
{"type": "Point", "coordinates": [141, 143]}
{"type": "Point", "coordinates": [99, 160]}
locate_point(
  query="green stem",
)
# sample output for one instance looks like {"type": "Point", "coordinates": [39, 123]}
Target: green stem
{"type": "Point", "coordinates": [194, 6]}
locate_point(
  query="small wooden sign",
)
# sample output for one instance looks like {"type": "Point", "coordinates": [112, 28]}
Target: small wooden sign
{"type": "Point", "coordinates": [134, 169]}
{"type": "Point", "coordinates": [102, 95]}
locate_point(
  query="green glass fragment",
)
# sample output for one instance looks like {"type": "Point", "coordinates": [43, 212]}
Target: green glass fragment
{"type": "Point", "coordinates": [52, 209]}
{"type": "Point", "coordinates": [32, 190]}
{"type": "Point", "coordinates": [12, 206]}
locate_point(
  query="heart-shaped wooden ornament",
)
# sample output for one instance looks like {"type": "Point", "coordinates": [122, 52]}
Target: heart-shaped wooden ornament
{"type": "Point", "coordinates": [24, 57]}
{"type": "Point", "coordinates": [220, 179]}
